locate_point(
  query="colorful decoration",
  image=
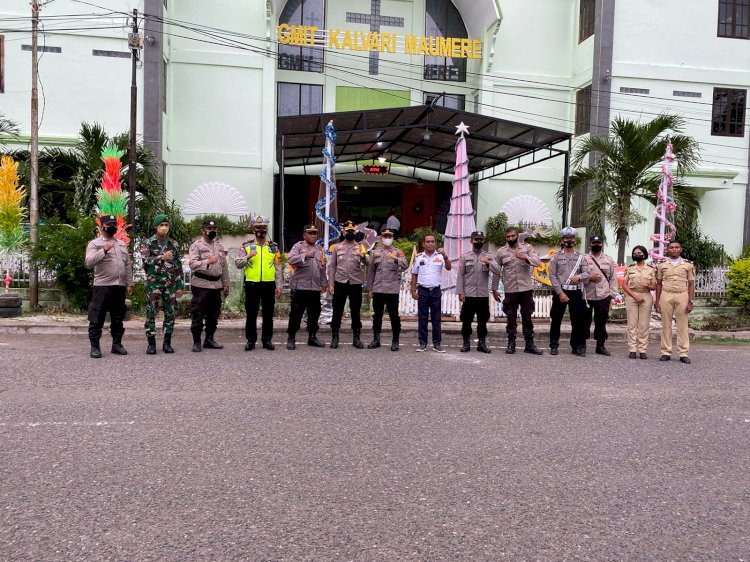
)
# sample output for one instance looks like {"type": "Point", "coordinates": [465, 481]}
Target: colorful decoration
{"type": "Point", "coordinates": [461, 221]}
{"type": "Point", "coordinates": [215, 198]}
{"type": "Point", "coordinates": [8, 281]}
{"type": "Point", "coordinates": [325, 208]}
{"type": "Point", "coordinates": [665, 208]}
{"type": "Point", "coordinates": [111, 199]}
{"type": "Point", "coordinates": [12, 211]}
{"type": "Point", "coordinates": [541, 271]}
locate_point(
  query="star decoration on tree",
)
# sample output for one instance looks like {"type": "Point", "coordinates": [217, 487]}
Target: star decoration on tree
{"type": "Point", "coordinates": [462, 128]}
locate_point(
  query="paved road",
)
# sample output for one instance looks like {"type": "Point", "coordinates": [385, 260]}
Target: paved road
{"type": "Point", "coordinates": [370, 455]}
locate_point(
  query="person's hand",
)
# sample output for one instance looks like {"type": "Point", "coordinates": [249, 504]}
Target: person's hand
{"type": "Point", "coordinates": [212, 260]}
{"type": "Point", "coordinates": [369, 294]}
{"type": "Point", "coordinates": [461, 297]}
{"type": "Point", "coordinates": [168, 255]}
{"type": "Point", "coordinates": [108, 246]}
{"type": "Point", "coordinates": [575, 279]}
{"type": "Point", "coordinates": [640, 300]}
{"type": "Point", "coordinates": [309, 253]}
{"type": "Point", "coordinates": [496, 295]}
{"type": "Point", "coordinates": [441, 251]}
{"type": "Point", "coordinates": [323, 289]}
{"type": "Point", "coordinates": [179, 293]}
{"type": "Point", "coordinates": [689, 307]}
{"type": "Point", "coordinates": [657, 308]}
{"type": "Point", "coordinates": [226, 291]}
{"type": "Point", "coordinates": [129, 291]}
{"type": "Point", "coordinates": [330, 289]}
{"type": "Point", "coordinates": [414, 294]}
{"type": "Point", "coordinates": [252, 253]}
{"type": "Point", "coordinates": [393, 255]}
{"type": "Point", "coordinates": [563, 297]}
{"type": "Point", "coordinates": [485, 259]}
{"type": "Point", "coordinates": [277, 292]}
{"type": "Point", "coordinates": [520, 255]}
{"type": "Point", "coordinates": [595, 277]}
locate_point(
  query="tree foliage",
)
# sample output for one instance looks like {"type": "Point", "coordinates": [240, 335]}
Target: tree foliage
{"type": "Point", "coordinates": [738, 290]}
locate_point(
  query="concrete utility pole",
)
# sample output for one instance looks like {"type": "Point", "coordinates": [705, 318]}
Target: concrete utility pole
{"type": "Point", "coordinates": [136, 44]}
{"type": "Point", "coordinates": [34, 187]}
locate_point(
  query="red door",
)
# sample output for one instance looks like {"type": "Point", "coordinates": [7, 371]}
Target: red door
{"type": "Point", "coordinates": [418, 206]}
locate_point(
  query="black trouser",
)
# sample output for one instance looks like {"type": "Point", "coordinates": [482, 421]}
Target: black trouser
{"type": "Point", "coordinates": [577, 320]}
{"type": "Point", "coordinates": [389, 300]}
{"type": "Point", "coordinates": [205, 306]}
{"type": "Point", "coordinates": [600, 312]}
{"type": "Point", "coordinates": [479, 306]}
{"type": "Point", "coordinates": [107, 298]}
{"type": "Point", "coordinates": [259, 294]}
{"type": "Point", "coordinates": [510, 307]}
{"type": "Point", "coordinates": [304, 300]}
{"type": "Point", "coordinates": [429, 304]}
{"type": "Point", "coordinates": [340, 293]}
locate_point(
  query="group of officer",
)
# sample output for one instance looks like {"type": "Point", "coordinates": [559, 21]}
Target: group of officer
{"type": "Point", "coordinates": [583, 283]}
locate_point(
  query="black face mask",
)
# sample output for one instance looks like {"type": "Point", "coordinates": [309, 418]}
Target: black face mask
{"type": "Point", "coordinates": [568, 243]}
{"type": "Point", "coordinates": [596, 248]}
{"type": "Point", "coordinates": [261, 233]}
{"type": "Point", "coordinates": [511, 241]}
{"type": "Point", "coordinates": [639, 257]}
{"type": "Point", "coordinates": [211, 235]}
{"type": "Point", "coordinates": [110, 230]}
{"type": "Point", "coordinates": [349, 236]}
{"type": "Point", "coordinates": [477, 245]}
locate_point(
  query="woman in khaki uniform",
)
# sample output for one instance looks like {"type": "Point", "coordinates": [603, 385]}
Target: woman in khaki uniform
{"type": "Point", "coordinates": [640, 280]}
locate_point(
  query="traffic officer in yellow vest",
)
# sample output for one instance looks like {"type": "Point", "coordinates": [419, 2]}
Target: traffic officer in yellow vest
{"type": "Point", "coordinates": [675, 290]}
{"type": "Point", "coordinates": [383, 284]}
{"type": "Point", "coordinates": [472, 288]}
{"type": "Point", "coordinates": [261, 260]}
{"type": "Point", "coordinates": [345, 278]}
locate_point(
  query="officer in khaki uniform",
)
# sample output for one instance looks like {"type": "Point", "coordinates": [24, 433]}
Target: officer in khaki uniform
{"type": "Point", "coordinates": [675, 289]}
{"type": "Point", "coordinates": [306, 284]}
{"type": "Point", "coordinates": [472, 287]}
{"type": "Point", "coordinates": [383, 284]}
{"type": "Point", "coordinates": [517, 261]}
{"type": "Point", "coordinates": [639, 281]}
{"type": "Point", "coordinates": [345, 279]}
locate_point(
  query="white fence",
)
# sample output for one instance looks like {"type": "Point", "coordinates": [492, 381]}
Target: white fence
{"type": "Point", "coordinates": [711, 282]}
{"type": "Point", "coordinates": [451, 306]}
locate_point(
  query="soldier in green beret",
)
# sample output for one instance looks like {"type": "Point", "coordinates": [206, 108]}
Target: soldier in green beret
{"type": "Point", "coordinates": [164, 283]}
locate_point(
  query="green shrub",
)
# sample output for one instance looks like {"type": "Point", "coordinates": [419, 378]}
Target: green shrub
{"type": "Point", "coordinates": [738, 290]}
{"type": "Point", "coordinates": [421, 232]}
{"type": "Point", "coordinates": [138, 299]}
{"type": "Point", "coordinates": [494, 229]}
{"type": "Point", "coordinates": [702, 250]}
{"type": "Point", "coordinates": [225, 226]}
{"type": "Point", "coordinates": [405, 245]}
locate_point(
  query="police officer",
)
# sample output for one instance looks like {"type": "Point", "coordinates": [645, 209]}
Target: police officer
{"type": "Point", "coordinates": [308, 282]}
{"type": "Point", "coordinates": [383, 283]}
{"type": "Point", "coordinates": [113, 279]}
{"type": "Point", "coordinates": [675, 290]}
{"type": "Point", "coordinates": [600, 288]}
{"type": "Point", "coordinates": [472, 288]}
{"type": "Point", "coordinates": [568, 271]}
{"type": "Point", "coordinates": [345, 278]}
{"type": "Point", "coordinates": [517, 262]}
{"type": "Point", "coordinates": [261, 261]}
{"type": "Point", "coordinates": [426, 277]}
{"type": "Point", "coordinates": [164, 283]}
{"type": "Point", "coordinates": [210, 278]}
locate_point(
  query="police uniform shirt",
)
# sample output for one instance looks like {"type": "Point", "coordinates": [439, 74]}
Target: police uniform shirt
{"type": "Point", "coordinates": [199, 254]}
{"type": "Point", "coordinates": [429, 269]}
{"type": "Point", "coordinates": [309, 272]}
{"type": "Point", "coordinates": [640, 278]}
{"type": "Point", "coordinates": [561, 266]}
{"type": "Point", "coordinates": [111, 267]}
{"type": "Point", "coordinates": [347, 263]}
{"type": "Point", "coordinates": [384, 273]}
{"type": "Point", "coordinates": [674, 278]}
{"type": "Point", "coordinates": [473, 277]}
{"type": "Point", "coordinates": [517, 273]}
{"type": "Point", "coordinates": [607, 285]}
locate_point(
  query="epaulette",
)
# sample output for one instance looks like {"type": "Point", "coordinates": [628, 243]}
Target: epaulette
{"type": "Point", "coordinates": [273, 246]}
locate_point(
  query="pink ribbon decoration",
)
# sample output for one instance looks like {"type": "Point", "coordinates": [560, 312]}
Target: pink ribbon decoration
{"type": "Point", "coordinates": [665, 208]}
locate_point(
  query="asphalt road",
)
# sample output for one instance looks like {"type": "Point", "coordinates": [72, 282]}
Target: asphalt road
{"type": "Point", "coordinates": [323, 454]}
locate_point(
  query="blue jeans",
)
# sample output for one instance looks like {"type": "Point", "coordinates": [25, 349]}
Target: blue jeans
{"type": "Point", "coordinates": [429, 305]}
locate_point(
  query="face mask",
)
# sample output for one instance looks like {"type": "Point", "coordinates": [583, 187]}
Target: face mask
{"type": "Point", "coordinates": [349, 236]}
{"type": "Point", "coordinates": [387, 241]}
{"type": "Point", "coordinates": [568, 243]}
{"type": "Point", "coordinates": [512, 242]}
{"type": "Point", "coordinates": [110, 230]}
{"type": "Point", "coordinates": [477, 245]}
{"type": "Point", "coordinates": [162, 230]}
{"type": "Point", "coordinates": [211, 234]}
{"type": "Point", "coordinates": [596, 248]}
{"type": "Point", "coordinates": [261, 233]}
{"type": "Point", "coordinates": [639, 257]}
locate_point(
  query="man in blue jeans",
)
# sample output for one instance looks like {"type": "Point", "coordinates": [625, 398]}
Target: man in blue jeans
{"type": "Point", "coordinates": [426, 276]}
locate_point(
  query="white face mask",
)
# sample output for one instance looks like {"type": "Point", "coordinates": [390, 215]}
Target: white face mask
{"type": "Point", "coordinates": [387, 241]}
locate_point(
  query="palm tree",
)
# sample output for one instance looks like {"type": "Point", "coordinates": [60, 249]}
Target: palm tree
{"type": "Point", "coordinates": [627, 170]}
{"type": "Point", "coordinates": [8, 127]}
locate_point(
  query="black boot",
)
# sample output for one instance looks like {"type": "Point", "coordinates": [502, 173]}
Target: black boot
{"type": "Point", "coordinates": [375, 341]}
{"type": "Point", "coordinates": [394, 342]}
{"type": "Point", "coordinates": [290, 343]}
{"type": "Point", "coordinates": [356, 342]}
{"type": "Point", "coordinates": [334, 339]}
{"type": "Point", "coordinates": [96, 351]}
{"type": "Point", "coordinates": [483, 346]}
{"type": "Point", "coordinates": [511, 345]}
{"type": "Point", "coordinates": [268, 345]}
{"type": "Point", "coordinates": [117, 348]}
{"type": "Point", "coordinates": [166, 347]}
{"type": "Point", "coordinates": [313, 341]}
{"type": "Point", "coordinates": [197, 342]}
{"type": "Point", "coordinates": [466, 346]}
{"type": "Point", "coordinates": [601, 350]}
{"type": "Point", "coordinates": [151, 349]}
{"type": "Point", "coordinates": [531, 348]}
{"type": "Point", "coordinates": [210, 343]}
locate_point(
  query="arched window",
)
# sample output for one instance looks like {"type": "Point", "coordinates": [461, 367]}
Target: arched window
{"type": "Point", "coordinates": [302, 12]}
{"type": "Point", "coordinates": [443, 20]}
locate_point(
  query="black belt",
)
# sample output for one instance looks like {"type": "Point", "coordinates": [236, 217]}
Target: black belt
{"type": "Point", "coordinates": [428, 288]}
{"type": "Point", "coordinates": [206, 276]}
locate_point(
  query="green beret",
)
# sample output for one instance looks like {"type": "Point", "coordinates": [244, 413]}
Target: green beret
{"type": "Point", "coordinates": [158, 219]}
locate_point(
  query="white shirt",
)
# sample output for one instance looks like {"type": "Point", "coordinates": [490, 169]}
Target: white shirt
{"type": "Point", "coordinates": [429, 269]}
{"type": "Point", "coordinates": [393, 223]}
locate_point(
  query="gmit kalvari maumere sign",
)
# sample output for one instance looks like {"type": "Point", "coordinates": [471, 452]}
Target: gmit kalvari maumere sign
{"type": "Point", "coordinates": [384, 42]}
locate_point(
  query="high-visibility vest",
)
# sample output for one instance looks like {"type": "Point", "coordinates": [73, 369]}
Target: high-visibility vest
{"type": "Point", "coordinates": [262, 266]}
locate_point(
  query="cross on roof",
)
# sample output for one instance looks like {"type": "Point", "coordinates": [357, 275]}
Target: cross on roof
{"type": "Point", "coordinates": [375, 20]}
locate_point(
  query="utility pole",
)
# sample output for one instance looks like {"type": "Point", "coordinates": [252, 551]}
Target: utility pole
{"type": "Point", "coordinates": [136, 44]}
{"type": "Point", "coordinates": [34, 187]}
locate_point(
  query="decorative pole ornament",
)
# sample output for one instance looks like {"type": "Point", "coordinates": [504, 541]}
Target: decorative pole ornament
{"type": "Point", "coordinates": [111, 199]}
{"type": "Point", "coordinates": [462, 128]}
{"type": "Point", "coordinates": [331, 229]}
{"type": "Point", "coordinates": [665, 208]}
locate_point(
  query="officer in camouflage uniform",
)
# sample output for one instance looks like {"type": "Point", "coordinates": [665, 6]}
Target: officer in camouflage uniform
{"type": "Point", "coordinates": [164, 283]}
